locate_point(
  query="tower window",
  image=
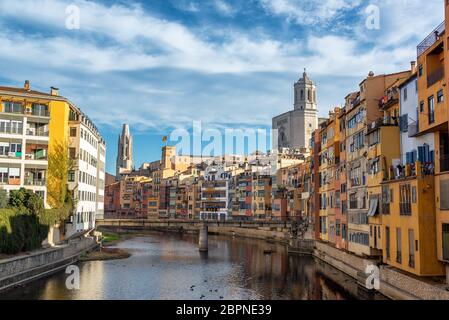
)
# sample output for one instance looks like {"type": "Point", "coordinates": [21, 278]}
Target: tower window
{"type": "Point", "coordinates": [309, 95]}
{"type": "Point", "coordinates": [302, 94]}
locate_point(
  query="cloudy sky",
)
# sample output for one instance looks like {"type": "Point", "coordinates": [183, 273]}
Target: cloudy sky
{"type": "Point", "coordinates": [160, 64]}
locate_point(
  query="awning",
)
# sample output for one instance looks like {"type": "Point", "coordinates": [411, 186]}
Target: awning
{"type": "Point", "coordinates": [373, 207]}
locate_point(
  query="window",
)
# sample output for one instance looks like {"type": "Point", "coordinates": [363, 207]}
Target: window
{"type": "Point", "coordinates": [337, 228]}
{"type": "Point", "coordinates": [444, 191]}
{"type": "Point", "coordinates": [440, 96]}
{"type": "Point", "coordinates": [405, 94]}
{"type": "Point", "coordinates": [385, 200]}
{"type": "Point", "coordinates": [431, 109]}
{"type": "Point", "coordinates": [12, 107]}
{"type": "Point", "coordinates": [387, 235]}
{"type": "Point", "coordinates": [398, 246]}
{"type": "Point", "coordinates": [445, 240]}
{"type": "Point", "coordinates": [420, 70]}
{"type": "Point", "coordinates": [414, 198]}
{"type": "Point", "coordinates": [411, 248]}
{"type": "Point", "coordinates": [421, 106]}
{"type": "Point", "coordinates": [39, 110]}
{"type": "Point", "coordinates": [405, 197]}
{"type": "Point", "coordinates": [374, 138]}
{"type": "Point", "coordinates": [73, 132]}
{"type": "Point", "coordinates": [71, 176]}
{"type": "Point", "coordinates": [72, 153]}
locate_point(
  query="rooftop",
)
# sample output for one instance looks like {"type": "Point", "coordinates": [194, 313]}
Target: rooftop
{"type": "Point", "coordinates": [433, 37]}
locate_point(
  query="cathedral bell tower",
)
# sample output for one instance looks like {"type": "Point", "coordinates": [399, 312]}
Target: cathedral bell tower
{"type": "Point", "coordinates": [295, 128]}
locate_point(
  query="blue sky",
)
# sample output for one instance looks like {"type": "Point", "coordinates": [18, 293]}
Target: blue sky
{"type": "Point", "coordinates": [160, 64]}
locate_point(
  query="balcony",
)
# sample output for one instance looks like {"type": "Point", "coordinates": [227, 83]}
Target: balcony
{"type": "Point", "coordinates": [39, 113]}
{"type": "Point", "coordinates": [381, 122]}
{"type": "Point", "coordinates": [433, 37]}
{"type": "Point", "coordinates": [390, 99]}
{"type": "Point", "coordinates": [9, 129]}
{"type": "Point", "coordinates": [37, 132]}
{"type": "Point", "coordinates": [35, 182]}
{"type": "Point", "coordinates": [37, 155]}
{"type": "Point", "coordinates": [11, 155]}
{"type": "Point", "coordinates": [435, 76]}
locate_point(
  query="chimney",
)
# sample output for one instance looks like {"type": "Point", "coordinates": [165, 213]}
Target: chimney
{"type": "Point", "coordinates": [54, 91]}
{"type": "Point", "coordinates": [26, 86]}
{"type": "Point", "coordinates": [413, 65]}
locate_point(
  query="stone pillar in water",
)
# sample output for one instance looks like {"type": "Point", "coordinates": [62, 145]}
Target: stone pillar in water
{"type": "Point", "coordinates": [203, 241]}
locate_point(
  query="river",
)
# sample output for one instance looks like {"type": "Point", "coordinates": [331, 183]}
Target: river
{"type": "Point", "coordinates": [169, 266]}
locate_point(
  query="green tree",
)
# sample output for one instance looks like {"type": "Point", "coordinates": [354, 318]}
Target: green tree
{"type": "Point", "coordinates": [26, 201]}
{"type": "Point", "coordinates": [3, 198]}
{"type": "Point", "coordinates": [59, 197]}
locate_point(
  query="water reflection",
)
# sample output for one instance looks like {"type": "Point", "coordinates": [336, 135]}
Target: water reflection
{"type": "Point", "coordinates": [169, 266]}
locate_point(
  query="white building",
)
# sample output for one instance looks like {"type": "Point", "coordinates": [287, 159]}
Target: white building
{"type": "Point", "coordinates": [413, 147]}
{"type": "Point", "coordinates": [295, 127]}
{"type": "Point", "coordinates": [87, 149]}
{"type": "Point", "coordinates": [215, 193]}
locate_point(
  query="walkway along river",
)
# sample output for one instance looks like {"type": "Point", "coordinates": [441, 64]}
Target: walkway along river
{"type": "Point", "coordinates": [169, 266]}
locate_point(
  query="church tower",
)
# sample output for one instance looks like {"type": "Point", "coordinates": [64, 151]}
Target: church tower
{"type": "Point", "coordinates": [295, 128]}
{"type": "Point", "coordinates": [124, 164]}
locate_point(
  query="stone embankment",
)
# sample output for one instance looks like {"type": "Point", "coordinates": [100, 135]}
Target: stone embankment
{"type": "Point", "coordinates": [25, 268]}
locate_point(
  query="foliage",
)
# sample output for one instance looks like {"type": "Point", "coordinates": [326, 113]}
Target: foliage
{"type": "Point", "coordinates": [3, 198]}
{"type": "Point", "coordinates": [26, 201]}
{"type": "Point", "coordinates": [21, 228]}
{"type": "Point", "coordinates": [59, 197]}
{"type": "Point", "coordinates": [110, 237]}
{"type": "Point", "coordinates": [59, 165]}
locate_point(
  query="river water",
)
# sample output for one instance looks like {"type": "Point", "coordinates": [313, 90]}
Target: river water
{"type": "Point", "coordinates": [169, 266]}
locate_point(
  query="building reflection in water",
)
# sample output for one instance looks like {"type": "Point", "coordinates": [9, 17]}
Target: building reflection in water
{"type": "Point", "coordinates": [170, 266]}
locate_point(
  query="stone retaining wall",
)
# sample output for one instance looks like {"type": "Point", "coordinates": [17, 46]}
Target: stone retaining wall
{"type": "Point", "coordinates": [22, 269]}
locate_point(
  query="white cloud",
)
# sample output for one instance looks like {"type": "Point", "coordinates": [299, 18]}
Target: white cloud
{"type": "Point", "coordinates": [309, 12]}
{"type": "Point", "coordinates": [223, 7]}
{"type": "Point", "coordinates": [262, 68]}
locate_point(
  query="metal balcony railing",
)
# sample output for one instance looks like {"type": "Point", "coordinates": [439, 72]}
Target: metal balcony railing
{"type": "Point", "coordinates": [430, 39]}
{"type": "Point", "coordinates": [11, 129]}
{"type": "Point", "coordinates": [35, 182]}
{"type": "Point", "coordinates": [37, 132]}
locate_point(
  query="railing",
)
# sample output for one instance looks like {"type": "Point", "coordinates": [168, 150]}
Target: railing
{"type": "Point", "coordinates": [410, 170]}
{"type": "Point", "coordinates": [11, 129]}
{"type": "Point", "coordinates": [430, 39]}
{"type": "Point", "coordinates": [35, 156]}
{"type": "Point", "coordinates": [383, 121]}
{"type": "Point", "coordinates": [28, 112]}
{"type": "Point", "coordinates": [40, 113]}
{"type": "Point", "coordinates": [405, 208]}
{"type": "Point", "coordinates": [37, 133]}
{"type": "Point", "coordinates": [12, 155]}
{"type": "Point", "coordinates": [435, 76]}
{"type": "Point", "coordinates": [35, 182]}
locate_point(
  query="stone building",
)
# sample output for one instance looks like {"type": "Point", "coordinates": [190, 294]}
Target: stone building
{"type": "Point", "coordinates": [294, 128]}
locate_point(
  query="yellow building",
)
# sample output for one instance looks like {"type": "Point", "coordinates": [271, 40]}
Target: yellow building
{"type": "Point", "coordinates": [329, 160]}
{"type": "Point", "coordinates": [35, 124]}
